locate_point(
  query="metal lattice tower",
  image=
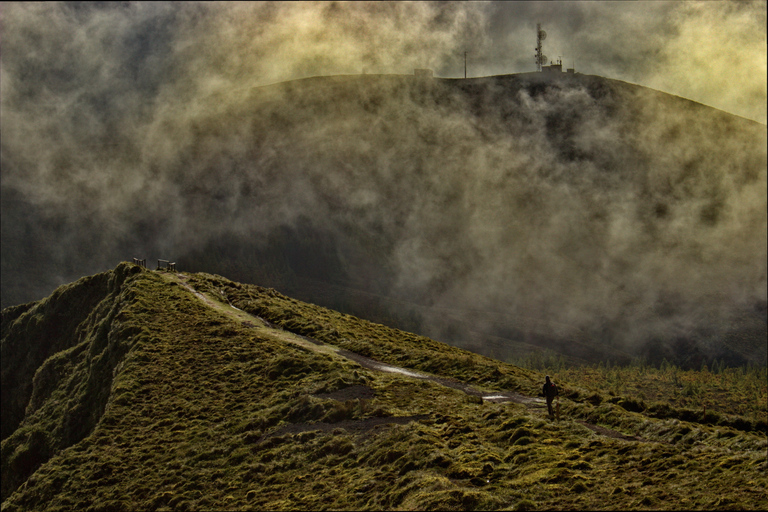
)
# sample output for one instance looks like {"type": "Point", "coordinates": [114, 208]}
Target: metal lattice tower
{"type": "Point", "coordinates": [540, 57]}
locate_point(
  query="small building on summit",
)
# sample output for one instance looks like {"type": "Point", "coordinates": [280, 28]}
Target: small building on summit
{"type": "Point", "coordinates": [554, 67]}
{"type": "Point", "coordinates": [557, 67]}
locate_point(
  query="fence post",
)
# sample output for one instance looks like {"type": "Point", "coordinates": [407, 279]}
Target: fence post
{"type": "Point", "coordinates": [170, 266]}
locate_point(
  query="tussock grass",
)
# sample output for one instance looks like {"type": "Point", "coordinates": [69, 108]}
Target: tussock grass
{"type": "Point", "coordinates": [730, 397]}
{"type": "Point", "coordinates": [205, 412]}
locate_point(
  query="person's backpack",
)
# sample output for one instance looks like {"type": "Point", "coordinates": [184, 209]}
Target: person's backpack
{"type": "Point", "coordinates": [550, 389]}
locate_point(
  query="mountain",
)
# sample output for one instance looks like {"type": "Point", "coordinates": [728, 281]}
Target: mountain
{"type": "Point", "coordinates": [595, 218]}
{"type": "Point", "coordinates": [136, 389]}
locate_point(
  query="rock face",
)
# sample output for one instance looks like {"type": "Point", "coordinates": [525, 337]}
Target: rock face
{"type": "Point", "coordinates": [593, 217]}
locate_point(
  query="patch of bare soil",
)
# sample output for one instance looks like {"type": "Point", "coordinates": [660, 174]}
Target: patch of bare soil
{"type": "Point", "coordinates": [508, 396]}
{"type": "Point", "coordinates": [362, 425]}
{"type": "Point", "coordinates": [497, 397]}
{"type": "Point", "coordinates": [348, 393]}
{"type": "Point", "coordinates": [372, 364]}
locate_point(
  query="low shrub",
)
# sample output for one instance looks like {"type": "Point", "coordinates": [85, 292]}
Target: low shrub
{"type": "Point", "coordinates": [525, 505]}
{"type": "Point", "coordinates": [632, 405]}
{"type": "Point", "coordinates": [520, 432]}
{"type": "Point", "coordinates": [522, 441]}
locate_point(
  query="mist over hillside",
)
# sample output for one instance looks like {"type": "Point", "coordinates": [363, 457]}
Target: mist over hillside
{"type": "Point", "coordinates": [519, 207]}
{"type": "Point", "coordinates": [574, 212]}
{"type": "Point", "coordinates": [587, 215]}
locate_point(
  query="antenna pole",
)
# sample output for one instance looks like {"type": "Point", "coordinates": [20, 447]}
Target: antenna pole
{"type": "Point", "coordinates": [538, 47]}
{"type": "Point", "coordinates": [465, 64]}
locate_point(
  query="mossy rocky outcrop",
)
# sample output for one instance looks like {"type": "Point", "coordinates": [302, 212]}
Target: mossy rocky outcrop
{"type": "Point", "coordinates": [58, 360]}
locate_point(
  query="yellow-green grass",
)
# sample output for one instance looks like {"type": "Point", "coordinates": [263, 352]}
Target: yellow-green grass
{"type": "Point", "coordinates": [712, 396]}
{"type": "Point", "coordinates": [207, 412]}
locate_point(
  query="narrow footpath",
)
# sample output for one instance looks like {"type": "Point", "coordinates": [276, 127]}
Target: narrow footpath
{"type": "Point", "coordinates": [256, 322]}
{"type": "Point", "coordinates": [266, 328]}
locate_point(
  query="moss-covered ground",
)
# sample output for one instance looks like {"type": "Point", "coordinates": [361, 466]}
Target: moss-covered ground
{"type": "Point", "coordinates": [717, 395]}
{"type": "Point", "coordinates": [212, 407]}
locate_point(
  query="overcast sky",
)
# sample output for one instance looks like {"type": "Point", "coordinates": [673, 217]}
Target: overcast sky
{"type": "Point", "coordinates": [711, 52]}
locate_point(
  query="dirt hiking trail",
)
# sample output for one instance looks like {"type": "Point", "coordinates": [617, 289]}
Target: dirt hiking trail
{"type": "Point", "coordinates": [263, 327]}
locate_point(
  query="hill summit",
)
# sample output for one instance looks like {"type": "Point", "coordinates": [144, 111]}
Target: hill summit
{"type": "Point", "coordinates": [137, 389]}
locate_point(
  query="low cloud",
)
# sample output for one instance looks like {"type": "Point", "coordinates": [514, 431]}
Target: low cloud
{"type": "Point", "coordinates": [150, 129]}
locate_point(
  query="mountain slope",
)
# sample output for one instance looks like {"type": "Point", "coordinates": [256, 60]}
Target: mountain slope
{"type": "Point", "coordinates": [597, 218]}
{"type": "Point", "coordinates": [215, 394]}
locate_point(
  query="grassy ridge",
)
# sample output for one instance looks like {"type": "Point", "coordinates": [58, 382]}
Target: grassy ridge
{"type": "Point", "coordinates": [369, 339]}
{"type": "Point", "coordinates": [206, 412]}
{"type": "Point", "coordinates": [58, 359]}
{"type": "Point", "coordinates": [737, 398]}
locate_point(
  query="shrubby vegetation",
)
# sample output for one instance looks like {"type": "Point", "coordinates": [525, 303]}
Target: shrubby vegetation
{"type": "Point", "coordinates": [732, 396]}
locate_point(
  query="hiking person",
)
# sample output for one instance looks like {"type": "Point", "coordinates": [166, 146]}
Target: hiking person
{"type": "Point", "coordinates": [550, 392]}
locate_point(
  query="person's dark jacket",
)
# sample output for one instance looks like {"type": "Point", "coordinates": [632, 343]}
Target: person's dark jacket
{"type": "Point", "coordinates": [549, 390]}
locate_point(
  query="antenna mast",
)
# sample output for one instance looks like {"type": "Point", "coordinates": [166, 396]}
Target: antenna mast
{"type": "Point", "coordinates": [465, 64]}
{"type": "Point", "coordinates": [540, 36]}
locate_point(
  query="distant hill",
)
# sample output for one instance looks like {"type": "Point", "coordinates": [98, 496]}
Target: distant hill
{"type": "Point", "coordinates": [506, 215]}
{"type": "Point", "coordinates": [136, 389]}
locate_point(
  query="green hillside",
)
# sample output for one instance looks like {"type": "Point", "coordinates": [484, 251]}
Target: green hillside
{"type": "Point", "coordinates": [137, 389]}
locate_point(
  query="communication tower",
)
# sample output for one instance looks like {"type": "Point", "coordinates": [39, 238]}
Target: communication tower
{"type": "Point", "coordinates": [540, 57]}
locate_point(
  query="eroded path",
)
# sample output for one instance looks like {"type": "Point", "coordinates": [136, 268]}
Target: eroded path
{"type": "Point", "coordinates": [258, 323]}
{"type": "Point", "coordinates": [362, 392]}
